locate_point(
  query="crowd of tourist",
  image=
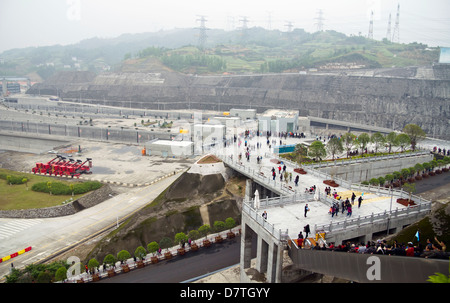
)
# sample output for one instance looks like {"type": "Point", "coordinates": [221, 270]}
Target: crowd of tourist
{"type": "Point", "coordinates": [382, 247]}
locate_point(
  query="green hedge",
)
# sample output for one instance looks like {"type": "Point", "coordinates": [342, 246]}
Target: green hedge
{"type": "Point", "coordinates": [11, 179]}
{"type": "Point", "coordinates": [58, 188]}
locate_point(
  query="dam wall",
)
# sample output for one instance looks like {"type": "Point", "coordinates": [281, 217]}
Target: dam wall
{"type": "Point", "coordinates": [383, 101]}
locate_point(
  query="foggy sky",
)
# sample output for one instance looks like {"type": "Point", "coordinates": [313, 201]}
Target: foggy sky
{"type": "Point", "coordinates": [26, 23]}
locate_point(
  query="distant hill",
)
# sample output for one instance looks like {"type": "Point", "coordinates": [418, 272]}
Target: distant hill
{"type": "Point", "coordinates": [254, 51]}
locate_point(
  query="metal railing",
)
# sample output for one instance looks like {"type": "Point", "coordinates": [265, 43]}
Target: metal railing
{"type": "Point", "coordinates": [417, 210]}
{"type": "Point", "coordinates": [278, 187]}
{"type": "Point", "coordinates": [270, 228]}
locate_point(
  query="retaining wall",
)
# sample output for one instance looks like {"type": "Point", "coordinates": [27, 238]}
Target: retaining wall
{"type": "Point", "coordinates": [86, 201]}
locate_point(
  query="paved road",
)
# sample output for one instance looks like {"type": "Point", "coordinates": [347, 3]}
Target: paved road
{"type": "Point", "coordinates": [48, 236]}
{"type": "Point", "coordinates": [432, 183]}
{"type": "Point", "coordinates": [183, 268]}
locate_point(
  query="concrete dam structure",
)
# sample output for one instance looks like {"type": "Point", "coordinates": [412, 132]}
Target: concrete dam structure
{"type": "Point", "coordinates": [389, 98]}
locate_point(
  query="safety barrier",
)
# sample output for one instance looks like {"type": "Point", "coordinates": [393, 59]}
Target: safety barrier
{"type": "Point", "coordinates": [13, 255]}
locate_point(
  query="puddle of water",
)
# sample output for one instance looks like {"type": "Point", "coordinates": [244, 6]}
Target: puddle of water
{"type": "Point", "coordinates": [127, 149]}
{"type": "Point", "coordinates": [102, 170]}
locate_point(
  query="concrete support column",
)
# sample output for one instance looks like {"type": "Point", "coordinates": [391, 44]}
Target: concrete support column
{"type": "Point", "coordinates": [262, 255]}
{"type": "Point", "coordinates": [275, 263]}
{"type": "Point", "coordinates": [246, 247]}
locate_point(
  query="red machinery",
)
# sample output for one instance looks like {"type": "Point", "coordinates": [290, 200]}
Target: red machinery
{"type": "Point", "coordinates": [59, 166]}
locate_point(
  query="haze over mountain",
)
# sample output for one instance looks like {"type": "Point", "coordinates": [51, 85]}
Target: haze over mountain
{"type": "Point", "coordinates": [25, 23]}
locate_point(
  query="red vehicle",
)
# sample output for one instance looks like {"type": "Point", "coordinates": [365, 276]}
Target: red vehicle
{"type": "Point", "coordinates": [59, 166]}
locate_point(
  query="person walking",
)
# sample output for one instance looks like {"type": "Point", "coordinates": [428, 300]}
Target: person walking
{"type": "Point", "coordinates": [296, 180]}
{"type": "Point", "coordinates": [306, 209]}
{"type": "Point", "coordinates": [349, 211]}
{"type": "Point", "coordinates": [353, 198]}
{"type": "Point", "coordinates": [306, 230]}
{"type": "Point", "coordinates": [264, 215]}
{"type": "Point", "coordinates": [359, 201]}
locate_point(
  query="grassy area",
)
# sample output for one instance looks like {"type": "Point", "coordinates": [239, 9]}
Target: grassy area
{"type": "Point", "coordinates": [19, 197]}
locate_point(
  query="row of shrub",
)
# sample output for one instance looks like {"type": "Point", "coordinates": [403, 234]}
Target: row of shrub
{"type": "Point", "coordinates": [57, 271]}
{"type": "Point", "coordinates": [167, 242]}
{"type": "Point", "coordinates": [407, 174]}
{"type": "Point", "coordinates": [59, 188]}
{"type": "Point", "coordinates": [13, 180]}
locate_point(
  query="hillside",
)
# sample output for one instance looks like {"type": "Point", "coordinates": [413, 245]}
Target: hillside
{"type": "Point", "coordinates": [257, 50]}
{"type": "Point", "coordinates": [191, 201]}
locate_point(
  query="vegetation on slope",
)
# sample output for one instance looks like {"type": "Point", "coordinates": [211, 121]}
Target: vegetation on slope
{"type": "Point", "coordinates": [257, 51]}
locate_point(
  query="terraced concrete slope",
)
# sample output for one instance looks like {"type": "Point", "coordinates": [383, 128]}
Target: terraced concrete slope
{"type": "Point", "coordinates": [385, 98]}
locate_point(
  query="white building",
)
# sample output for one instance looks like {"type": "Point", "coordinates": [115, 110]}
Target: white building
{"type": "Point", "coordinates": [244, 114]}
{"type": "Point", "coordinates": [277, 120]}
{"type": "Point", "coordinates": [168, 148]}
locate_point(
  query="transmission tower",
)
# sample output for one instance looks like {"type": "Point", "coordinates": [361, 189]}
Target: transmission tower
{"type": "Point", "coordinates": [244, 28]}
{"type": "Point", "coordinates": [396, 35]}
{"type": "Point", "coordinates": [370, 35]}
{"type": "Point", "coordinates": [388, 33]}
{"type": "Point", "coordinates": [289, 25]}
{"type": "Point", "coordinates": [320, 20]}
{"type": "Point", "coordinates": [202, 35]}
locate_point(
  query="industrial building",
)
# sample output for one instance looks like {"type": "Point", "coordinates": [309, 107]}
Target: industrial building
{"type": "Point", "coordinates": [168, 148]}
{"type": "Point", "coordinates": [277, 120]}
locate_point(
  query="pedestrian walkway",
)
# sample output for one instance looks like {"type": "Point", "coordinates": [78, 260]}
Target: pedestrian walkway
{"type": "Point", "coordinates": [11, 228]}
{"type": "Point", "coordinates": [255, 154]}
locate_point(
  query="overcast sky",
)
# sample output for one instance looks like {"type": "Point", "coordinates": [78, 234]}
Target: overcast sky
{"type": "Point", "coordinates": [26, 23]}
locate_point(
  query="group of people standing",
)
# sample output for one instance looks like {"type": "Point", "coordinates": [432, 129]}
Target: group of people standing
{"type": "Point", "coordinates": [345, 206]}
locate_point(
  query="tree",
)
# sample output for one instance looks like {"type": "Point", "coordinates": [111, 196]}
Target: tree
{"type": "Point", "coordinates": [419, 168]}
{"type": "Point", "coordinates": [93, 263]}
{"type": "Point", "coordinates": [193, 235]}
{"type": "Point", "coordinates": [405, 173]}
{"type": "Point", "coordinates": [123, 255]}
{"type": "Point", "coordinates": [109, 259]}
{"type": "Point", "coordinates": [317, 150]}
{"type": "Point", "coordinates": [412, 171]}
{"type": "Point", "coordinates": [348, 139]}
{"type": "Point", "coordinates": [403, 140]}
{"type": "Point", "coordinates": [301, 152]}
{"type": "Point", "coordinates": [25, 180]}
{"type": "Point", "coordinates": [373, 181]}
{"type": "Point", "coordinates": [219, 226]}
{"type": "Point", "coordinates": [415, 133]}
{"type": "Point", "coordinates": [377, 139]}
{"type": "Point", "coordinates": [381, 181]}
{"type": "Point", "coordinates": [49, 186]}
{"type": "Point", "coordinates": [140, 252]}
{"type": "Point", "coordinates": [230, 223]}
{"type": "Point", "coordinates": [334, 146]}
{"type": "Point", "coordinates": [363, 139]}
{"type": "Point", "coordinates": [397, 175]}
{"type": "Point", "coordinates": [389, 178]}
{"type": "Point", "coordinates": [61, 274]}
{"type": "Point", "coordinates": [44, 277]}
{"type": "Point", "coordinates": [180, 238]}
{"type": "Point", "coordinates": [165, 243]}
{"type": "Point", "coordinates": [391, 140]}
{"type": "Point", "coordinates": [439, 277]}
{"type": "Point", "coordinates": [410, 188]}
{"type": "Point", "coordinates": [204, 230]}
{"type": "Point", "coordinates": [152, 247]}
{"type": "Point", "coordinates": [433, 163]}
